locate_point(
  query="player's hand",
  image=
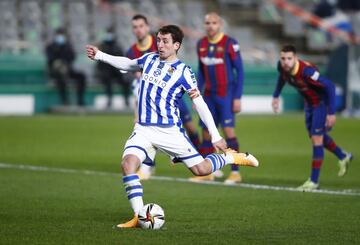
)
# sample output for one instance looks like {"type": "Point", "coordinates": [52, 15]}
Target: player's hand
{"type": "Point", "coordinates": [220, 145]}
{"type": "Point", "coordinates": [330, 121]}
{"type": "Point", "coordinates": [275, 105]}
{"type": "Point", "coordinates": [91, 51]}
{"type": "Point", "coordinates": [237, 105]}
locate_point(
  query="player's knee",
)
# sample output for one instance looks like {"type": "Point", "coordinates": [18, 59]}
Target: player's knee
{"type": "Point", "coordinates": [129, 164]}
{"type": "Point", "coordinates": [317, 139]}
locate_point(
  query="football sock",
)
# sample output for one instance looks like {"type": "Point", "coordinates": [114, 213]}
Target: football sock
{"type": "Point", "coordinates": [194, 137]}
{"type": "Point", "coordinates": [331, 146]}
{"type": "Point", "coordinates": [206, 148]}
{"type": "Point", "coordinates": [318, 157]}
{"type": "Point", "coordinates": [218, 161]}
{"type": "Point", "coordinates": [134, 191]}
{"type": "Point", "coordinates": [233, 144]}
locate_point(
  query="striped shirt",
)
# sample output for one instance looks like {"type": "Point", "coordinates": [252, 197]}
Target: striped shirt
{"type": "Point", "coordinates": [162, 84]}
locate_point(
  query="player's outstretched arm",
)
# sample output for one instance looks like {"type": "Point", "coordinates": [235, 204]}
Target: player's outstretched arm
{"type": "Point", "coordinates": [205, 115]}
{"type": "Point", "coordinates": [120, 62]}
{"type": "Point", "coordinates": [275, 104]}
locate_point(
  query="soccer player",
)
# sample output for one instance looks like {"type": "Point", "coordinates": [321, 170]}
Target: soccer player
{"type": "Point", "coordinates": [165, 79]}
{"type": "Point", "coordinates": [221, 73]}
{"type": "Point", "coordinates": [319, 98]}
{"type": "Point", "coordinates": [146, 43]}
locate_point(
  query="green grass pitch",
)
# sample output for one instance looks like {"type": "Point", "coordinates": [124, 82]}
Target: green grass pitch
{"type": "Point", "coordinates": [78, 207]}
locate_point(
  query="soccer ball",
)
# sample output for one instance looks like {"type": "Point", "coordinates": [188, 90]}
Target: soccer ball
{"type": "Point", "coordinates": [151, 216]}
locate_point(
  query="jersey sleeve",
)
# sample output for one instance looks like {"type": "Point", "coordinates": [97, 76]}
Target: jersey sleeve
{"type": "Point", "coordinates": [237, 64]}
{"type": "Point", "coordinates": [313, 76]}
{"type": "Point", "coordinates": [141, 61]}
{"type": "Point", "coordinates": [189, 81]}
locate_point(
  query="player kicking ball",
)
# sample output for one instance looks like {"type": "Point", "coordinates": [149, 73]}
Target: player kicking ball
{"type": "Point", "coordinates": [164, 79]}
{"type": "Point", "coordinates": [319, 97]}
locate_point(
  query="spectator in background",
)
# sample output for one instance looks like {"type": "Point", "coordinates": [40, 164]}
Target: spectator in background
{"type": "Point", "coordinates": [108, 75]}
{"type": "Point", "coordinates": [60, 57]}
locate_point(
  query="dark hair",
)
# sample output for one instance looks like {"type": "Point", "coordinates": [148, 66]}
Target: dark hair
{"type": "Point", "coordinates": [288, 48]}
{"type": "Point", "coordinates": [140, 17]}
{"type": "Point", "coordinates": [175, 31]}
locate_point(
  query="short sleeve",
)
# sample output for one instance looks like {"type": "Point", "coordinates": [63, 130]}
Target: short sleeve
{"type": "Point", "coordinates": [189, 81]}
{"type": "Point", "coordinates": [141, 61]}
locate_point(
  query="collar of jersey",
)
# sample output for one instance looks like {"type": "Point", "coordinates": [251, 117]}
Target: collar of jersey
{"type": "Point", "coordinates": [296, 68]}
{"type": "Point", "coordinates": [169, 62]}
{"type": "Point", "coordinates": [216, 40]}
{"type": "Point", "coordinates": [147, 46]}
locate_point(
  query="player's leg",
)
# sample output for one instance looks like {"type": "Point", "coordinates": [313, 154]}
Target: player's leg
{"type": "Point", "coordinates": [344, 157]}
{"type": "Point", "coordinates": [80, 81]}
{"type": "Point", "coordinates": [137, 150]}
{"type": "Point", "coordinates": [180, 147]}
{"type": "Point", "coordinates": [147, 169]}
{"type": "Point", "coordinates": [232, 143]}
{"type": "Point", "coordinates": [315, 122]}
{"type": "Point", "coordinates": [227, 121]}
{"type": "Point", "coordinates": [215, 161]}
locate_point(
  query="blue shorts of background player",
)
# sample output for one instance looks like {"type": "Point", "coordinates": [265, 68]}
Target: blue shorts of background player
{"type": "Point", "coordinates": [221, 110]}
{"type": "Point", "coordinates": [315, 119]}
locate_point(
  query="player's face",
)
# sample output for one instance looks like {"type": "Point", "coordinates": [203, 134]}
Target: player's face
{"type": "Point", "coordinates": [287, 60]}
{"type": "Point", "coordinates": [140, 29]}
{"type": "Point", "coordinates": [212, 25]}
{"type": "Point", "coordinates": [166, 47]}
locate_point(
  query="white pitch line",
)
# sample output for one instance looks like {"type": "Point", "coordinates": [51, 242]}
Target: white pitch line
{"type": "Point", "coordinates": [348, 192]}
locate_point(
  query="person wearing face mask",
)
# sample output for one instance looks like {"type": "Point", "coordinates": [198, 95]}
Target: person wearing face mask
{"type": "Point", "coordinates": [107, 74]}
{"type": "Point", "coordinates": [60, 57]}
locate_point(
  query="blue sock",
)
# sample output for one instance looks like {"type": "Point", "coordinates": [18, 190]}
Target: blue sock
{"type": "Point", "coordinates": [332, 147]}
{"type": "Point", "coordinates": [233, 144]}
{"type": "Point", "coordinates": [318, 157]}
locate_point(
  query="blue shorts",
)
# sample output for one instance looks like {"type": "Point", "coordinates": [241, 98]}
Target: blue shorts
{"type": "Point", "coordinates": [185, 114]}
{"type": "Point", "coordinates": [221, 110]}
{"type": "Point", "coordinates": [315, 119]}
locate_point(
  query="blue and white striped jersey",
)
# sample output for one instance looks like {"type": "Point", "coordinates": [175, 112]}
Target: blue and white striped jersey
{"type": "Point", "coordinates": [162, 84]}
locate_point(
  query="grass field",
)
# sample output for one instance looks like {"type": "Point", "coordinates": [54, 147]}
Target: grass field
{"type": "Point", "coordinates": [63, 204]}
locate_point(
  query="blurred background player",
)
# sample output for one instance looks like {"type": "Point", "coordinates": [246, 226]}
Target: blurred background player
{"type": "Point", "coordinates": [319, 98]}
{"type": "Point", "coordinates": [146, 43]}
{"type": "Point", "coordinates": [219, 56]}
{"type": "Point", "coordinates": [107, 74]}
{"type": "Point", "coordinates": [60, 57]}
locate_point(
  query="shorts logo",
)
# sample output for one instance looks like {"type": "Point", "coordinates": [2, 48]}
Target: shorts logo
{"type": "Point", "coordinates": [318, 130]}
{"type": "Point", "coordinates": [228, 120]}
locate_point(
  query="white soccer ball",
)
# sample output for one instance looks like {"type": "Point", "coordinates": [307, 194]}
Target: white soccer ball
{"type": "Point", "coordinates": [151, 216]}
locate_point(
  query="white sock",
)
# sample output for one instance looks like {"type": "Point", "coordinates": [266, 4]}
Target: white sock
{"type": "Point", "coordinates": [134, 192]}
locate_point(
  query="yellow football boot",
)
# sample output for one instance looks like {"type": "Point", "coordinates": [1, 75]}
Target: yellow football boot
{"type": "Point", "coordinates": [133, 223]}
{"type": "Point", "coordinates": [243, 159]}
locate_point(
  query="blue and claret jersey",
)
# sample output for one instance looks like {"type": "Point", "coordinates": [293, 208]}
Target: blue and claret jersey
{"type": "Point", "coordinates": [220, 67]}
{"type": "Point", "coordinates": [305, 77]}
{"type": "Point", "coordinates": [135, 51]}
